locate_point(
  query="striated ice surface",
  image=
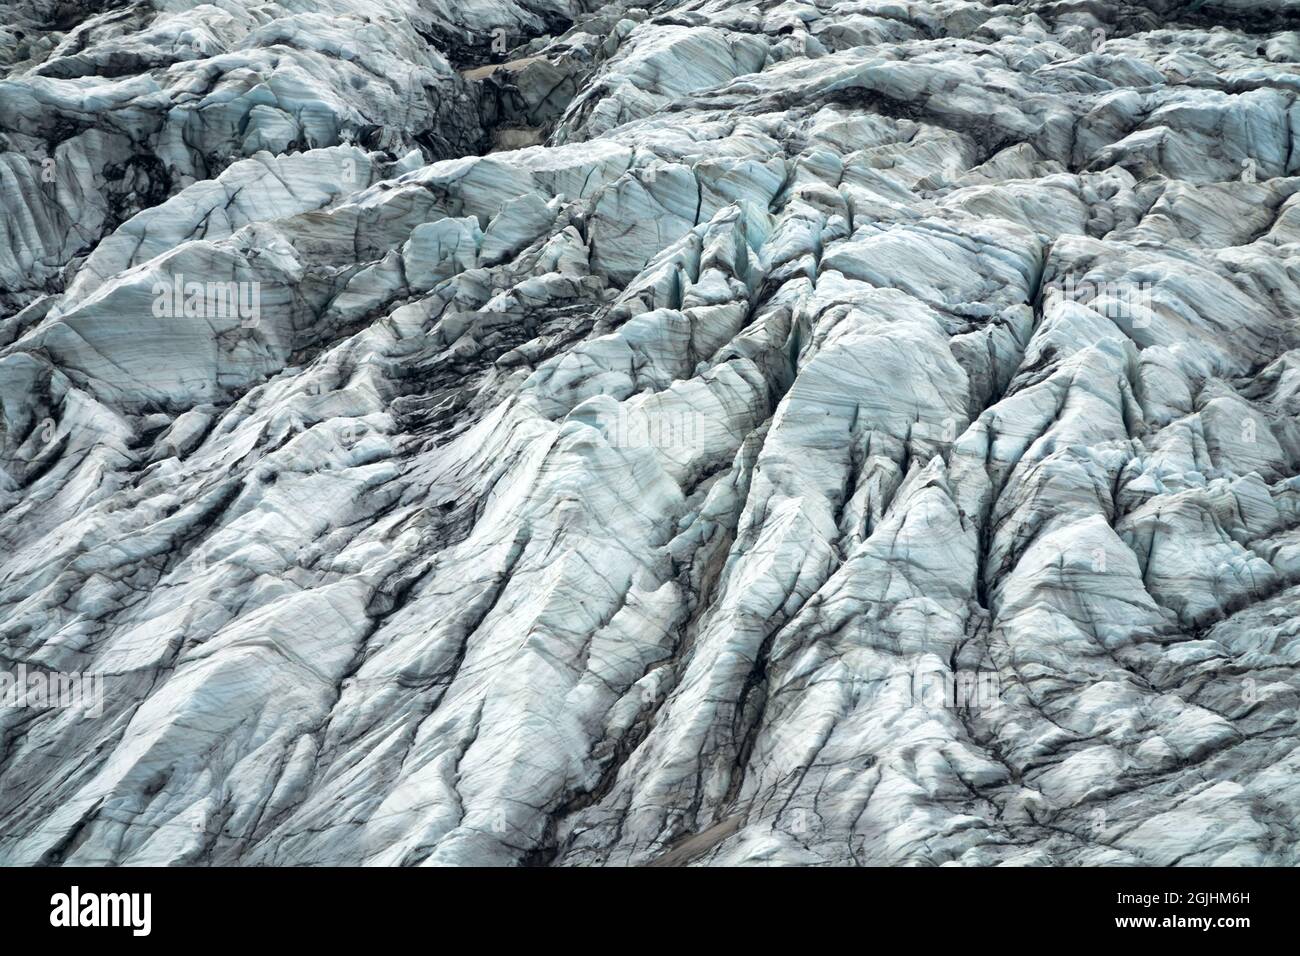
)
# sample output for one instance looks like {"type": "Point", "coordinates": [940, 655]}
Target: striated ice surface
{"type": "Point", "coordinates": [707, 432]}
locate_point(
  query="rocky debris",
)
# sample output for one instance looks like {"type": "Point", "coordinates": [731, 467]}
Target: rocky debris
{"type": "Point", "coordinates": [522, 97]}
{"type": "Point", "coordinates": [694, 434]}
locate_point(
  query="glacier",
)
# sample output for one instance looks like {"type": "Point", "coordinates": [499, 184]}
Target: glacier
{"type": "Point", "coordinates": [695, 432]}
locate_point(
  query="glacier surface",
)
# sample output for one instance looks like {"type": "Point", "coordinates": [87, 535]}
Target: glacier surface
{"type": "Point", "coordinates": [554, 432]}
